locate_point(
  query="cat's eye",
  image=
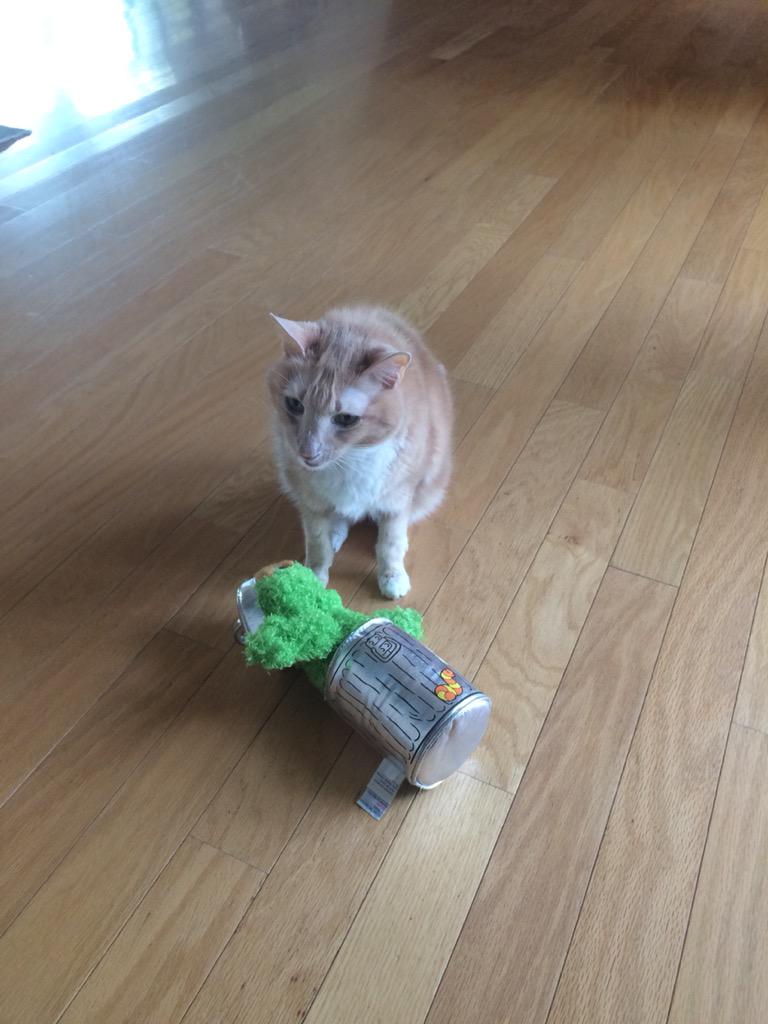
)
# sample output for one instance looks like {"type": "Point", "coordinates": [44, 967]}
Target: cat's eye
{"type": "Point", "coordinates": [293, 405]}
{"type": "Point", "coordinates": [344, 419]}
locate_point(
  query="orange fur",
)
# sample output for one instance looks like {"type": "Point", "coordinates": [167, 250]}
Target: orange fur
{"type": "Point", "coordinates": [393, 463]}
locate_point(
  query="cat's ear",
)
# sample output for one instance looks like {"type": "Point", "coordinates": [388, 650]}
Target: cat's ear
{"type": "Point", "coordinates": [301, 334]}
{"type": "Point", "coordinates": [387, 372]}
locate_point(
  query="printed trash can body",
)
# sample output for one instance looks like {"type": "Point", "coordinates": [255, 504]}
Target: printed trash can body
{"type": "Point", "coordinates": [423, 716]}
{"type": "Point", "coordinates": [406, 701]}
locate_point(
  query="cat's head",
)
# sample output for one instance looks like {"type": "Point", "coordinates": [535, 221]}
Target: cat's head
{"type": "Point", "coordinates": [336, 388]}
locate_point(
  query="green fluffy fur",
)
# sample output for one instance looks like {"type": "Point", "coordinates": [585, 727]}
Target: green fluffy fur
{"type": "Point", "coordinates": [304, 623]}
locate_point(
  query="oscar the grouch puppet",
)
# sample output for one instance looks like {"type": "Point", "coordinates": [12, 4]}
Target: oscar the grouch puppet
{"type": "Point", "coordinates": [418, 712]}
{"type": "Point", "coordinates": [303, 623]}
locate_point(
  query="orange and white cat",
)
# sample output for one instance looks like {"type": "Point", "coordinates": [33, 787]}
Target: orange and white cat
{"type": "Point", "coordinates": [363, 422]}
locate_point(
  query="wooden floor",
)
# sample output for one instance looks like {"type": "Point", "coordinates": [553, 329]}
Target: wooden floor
{"type": "Point", "coordinates": [570, 197]}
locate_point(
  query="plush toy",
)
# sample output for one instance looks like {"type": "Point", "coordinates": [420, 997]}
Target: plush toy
{"type": "Point", "coordinates": [373, 670]}
{"type": "Point", "coordinates": [304, 623]}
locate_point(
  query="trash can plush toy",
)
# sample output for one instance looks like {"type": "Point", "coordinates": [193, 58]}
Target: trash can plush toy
{"type": "Point", "coordinates": [423, 716]}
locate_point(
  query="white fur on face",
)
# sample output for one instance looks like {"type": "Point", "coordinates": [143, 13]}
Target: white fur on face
{"type": "Point", "coordinates": [354, 401]}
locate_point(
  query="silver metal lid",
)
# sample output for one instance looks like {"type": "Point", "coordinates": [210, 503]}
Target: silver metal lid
{"type": "Point", "coordinates": [248, 607]}
{"type": "Point", "coordinates": [451, 743]}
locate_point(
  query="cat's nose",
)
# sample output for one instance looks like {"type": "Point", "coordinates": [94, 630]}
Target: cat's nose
{"type": "Point", "coordinates": [310, 454]}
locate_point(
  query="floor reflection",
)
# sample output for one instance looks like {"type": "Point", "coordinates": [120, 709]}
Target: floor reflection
{"type": "Point", "coordinates": [70, 63]}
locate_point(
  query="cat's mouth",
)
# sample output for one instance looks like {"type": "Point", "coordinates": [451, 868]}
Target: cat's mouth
{"type": "Point", "coordinates": [312, 462]}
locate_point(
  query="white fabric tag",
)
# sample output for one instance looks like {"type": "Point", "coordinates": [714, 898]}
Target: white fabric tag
{"type": "Point", "coordinates": [382, 787]}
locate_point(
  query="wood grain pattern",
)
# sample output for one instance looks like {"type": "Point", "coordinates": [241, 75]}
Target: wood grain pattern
{"type": "Point", "coordinates": [721, 236]}
{"type": "Point", "coordinates": [575, 767]}
{"type": "Point", "coordinates": [602, 365]}
{"type": "Point", "coordinates": [665, 518]}
{"type": "Point", "coordinates": [505, 272]}
{"type": "Point", "coordinates": [563, 335]}
{"type": "Point", "coordinates": [752, 705]}
{"type": "Point", "coordinates": [457, 268]}
{"type": "Point", "coordinates": [275, 964]}
{"type": "Point", "coordinates": [71, 920]}
{"type": "Point", "coordinates": [265, 797]}
{"type": "Point", "coordinates": [663, 523]}
{"type": "Point", "coordinates": [499, 345]}
{"type": "Point", "coordinates": [629, 436]}
{"type": "Point", "coordinates": [571, 197]}
{"type": "Point", "coordinates": [645, 873]}
{"type": "Point", "coordinates": [502, 547]}
{"type": "Point", "coordinates": [525, 663]}
{"type": "Point", "coordinates": [726, 937]}
{"type": "Point", "coordinates": [47, 702]}
{"type": "Point", "coordinates": [162, 956]}
{"type": "Point", "coordinates": [45, 816]}
{"type": "Point", "coordinates": [757, 235]}
{"type": "Point", "coordinates": [442, 849]}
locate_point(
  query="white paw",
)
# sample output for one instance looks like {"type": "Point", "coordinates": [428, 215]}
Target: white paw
{"type": "Point", "coordinates": [339, 535]}
{"type": "Point", "coordinates": [394, 584]}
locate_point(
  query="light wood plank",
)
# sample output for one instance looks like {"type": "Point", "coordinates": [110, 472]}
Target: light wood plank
{"type": "Point", "coordinates": [597, 374]}
{"type": "Point", "coordinates": [722, 974]}
{"type": "Point", "coordinates": [752, 705]}
{"type": "Point", "coordinates": [442, 850]}
{"type": "Point", "coordinates": [507, 961]}
{"type": "Point", "coordinates": [546, 105]}
{"type": "Point", "coordinates": [663, 523]}
{"type": "Point", "coordinates": [628, 438]}
{"type": "Point", "coordinates": [125, 345]}
{"type": "Point", "coordinates": [505, 542]}
{"type": "Point", "coordinates": [502, 275]}
{"type": "Point", "coordinates": [45, 816]}
{"type": "Point", "coordinates": [541, 370]}
{"type": "Point", "coordinates": [44, 703]}
{"type": "Point", "coordinates": [255, 812]}
{"type": "Point", "coordinates": [592, 220]}
{"type": "Point", "coordinates": [86, 582]}
{"type": "Point", "coordinates": [723, 232]}
{"type": "Point", "coordinates": [626, 947]}
{"type": "Point", "coordinates": [534, 643]}
{"type": "Point", "coordinates": [469, 401]}
{"type": "Point", "coordinates": [454, 272]}
{"type": "Point", "coordinates": [209, 612]}
{"type": "Point", "coordinates": [757, 235]}
{"type": "Point", "coordinates": [743, 109]}
{"type": "Point", "coordinates": [274, 965]}
{"type": "Point", "coordinates": [525, 663]}
{"type": "Point", "coordinates": [493, 353]}
{"type": "Point", "coordinates": [112, 450]}
{"type": "Point", "coordinates": [73, 918]}
{"type": "Point", "coordinates": [162, 956]}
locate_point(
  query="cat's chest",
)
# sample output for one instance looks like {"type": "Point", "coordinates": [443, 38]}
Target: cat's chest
{"type": "Point", "coordinates": [357, 487]}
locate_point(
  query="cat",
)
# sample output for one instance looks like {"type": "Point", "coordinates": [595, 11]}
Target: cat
{"type": "Point", "coordinates": [363, 427]}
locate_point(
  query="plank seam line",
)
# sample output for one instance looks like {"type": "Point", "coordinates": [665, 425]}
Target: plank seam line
{"type": "Point", "coordinates": [87, 827]}
{"type": "Point", "coordinates": [714, 797]}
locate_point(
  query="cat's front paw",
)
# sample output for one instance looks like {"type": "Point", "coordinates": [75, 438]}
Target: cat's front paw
{"type": "Point", "coordinates": [322, 574]}
{"type": "Point", "coordinates": [339, 534]}
{"type": "Point", "coordinates": [394, 584]}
